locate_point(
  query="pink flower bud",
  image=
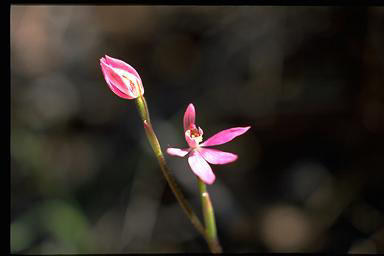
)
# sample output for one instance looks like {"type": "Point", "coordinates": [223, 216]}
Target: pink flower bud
{"type": "Point", "coordinates": [121, 78]}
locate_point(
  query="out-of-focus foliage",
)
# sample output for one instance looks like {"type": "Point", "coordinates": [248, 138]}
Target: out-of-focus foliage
{"type": "Point", "coordinates": [309, 80]}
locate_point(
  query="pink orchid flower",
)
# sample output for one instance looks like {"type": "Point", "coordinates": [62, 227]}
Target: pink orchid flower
{"type": "Point", "coordinates": [198, 154]}
{"type": "Point", "coordinates": [121, 78]}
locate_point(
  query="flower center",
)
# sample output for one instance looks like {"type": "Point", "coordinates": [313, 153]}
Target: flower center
{"type": "Point", "coordinates": [195, 133]}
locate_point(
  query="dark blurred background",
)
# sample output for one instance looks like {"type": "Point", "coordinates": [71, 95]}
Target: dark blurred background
{"type": "Point", "coordinates": [309, 80]}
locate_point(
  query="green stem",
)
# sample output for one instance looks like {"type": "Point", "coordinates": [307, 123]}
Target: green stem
{"type": "Point", "coordinates": [144, 114]}
{"type": "Point", "coordinates": [143, 108]}
{"type": "Point", "coordinates": [209, 216]}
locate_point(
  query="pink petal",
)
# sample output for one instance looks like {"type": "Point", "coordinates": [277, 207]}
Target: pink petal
{"type": "Point", "coordinates": [214, 156]}
{"type": "Point", "coordinates": [114, 79]}
{"type": "Point", "coordinates": [177, 151]}
{"type": "Point", "coordinates": [189, 116]}
{"type": "Point", "coordinates": [102, 64]}
{"type": "Point", "coordinates": [201, 168]}
{"type": "Point", "coordinates": [225, 136]}
{"type": "Point", "coordinates": [116, 63]}
{"type": "Point", "coordinates": [107, 76]}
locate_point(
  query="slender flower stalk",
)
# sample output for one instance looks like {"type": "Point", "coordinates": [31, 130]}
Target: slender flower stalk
{"type": "Point", "coordinates": [141, 103]}
{"type": "Point", "coordinates": [209, 216]}
{"type": "Point", "coordinates": [143, 109]}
